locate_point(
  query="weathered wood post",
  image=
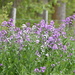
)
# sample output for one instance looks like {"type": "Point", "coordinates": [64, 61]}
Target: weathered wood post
{"type": "Point", "coordinates": [13, 12]}
{"type": "Point", "coordinates": [14, 15]}
{"type": "Point", "coordinates": [45, 15]}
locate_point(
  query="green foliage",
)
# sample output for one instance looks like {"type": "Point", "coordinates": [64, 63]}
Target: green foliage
{"type": "Point", "coordinates": [70, 7]}
{"type": "Point", "coordinates": [4, 12]}
{"type": "Point", "coordinates": [30, 11]}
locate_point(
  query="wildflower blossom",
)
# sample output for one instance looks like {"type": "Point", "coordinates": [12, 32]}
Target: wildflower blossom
{"type": "Point", "coordinates": [55, 47]}
{"type": "Point", "coordinates": [42, 69]}
{"type": "Point", "coordinates": [37, 41]}
{"type": "Point", "coordinates": [36, 70]}
{"type": "Point", "coordinates": [1, 64]}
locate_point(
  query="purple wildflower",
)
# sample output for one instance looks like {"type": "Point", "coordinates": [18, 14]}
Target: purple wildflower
{"type": "Point", "coordinates": [1, 64]}
{"type": "Point", "coordinates": [64, 47]}
{"type": "Point", "coordinates": [52, 65]}
{"type": "Point", "coordinates": [55, 46]}
{"type": "Point", "coordinates": [50, 39]}
{"type": "Point", "coordinates": [43, 68]}
{"type": "Point", "coordinates": [36, 70]}
{"type": "Point", "coordinates": [37, 41]}
{"type": "Point", "coordinates": [74, 71]}
{"type": "Point", "coordinates": [37, 53]}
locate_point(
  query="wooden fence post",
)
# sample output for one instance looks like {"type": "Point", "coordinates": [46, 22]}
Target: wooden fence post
{"type": "Point", "coordinates": [14, 15]}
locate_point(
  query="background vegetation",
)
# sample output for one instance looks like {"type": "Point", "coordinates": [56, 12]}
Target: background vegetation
{"type": "Point", "coordinates": [29, 11]}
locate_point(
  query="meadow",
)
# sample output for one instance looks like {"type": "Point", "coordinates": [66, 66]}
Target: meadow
{"type": "Point", "coordinates": [41, 49]}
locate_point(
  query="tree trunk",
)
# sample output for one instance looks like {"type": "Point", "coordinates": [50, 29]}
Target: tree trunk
{"type": "Point", "coordinates": [60, 12]}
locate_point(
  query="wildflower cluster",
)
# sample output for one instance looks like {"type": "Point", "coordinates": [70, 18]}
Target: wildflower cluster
{"type": "Point", "coordinates": [40, 45]}
{"type": "Point", "coordinates": [42, 69]}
